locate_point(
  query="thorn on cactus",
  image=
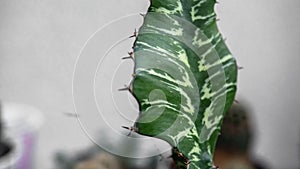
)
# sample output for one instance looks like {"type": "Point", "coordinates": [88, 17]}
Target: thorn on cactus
{"type": "Point", "coordinates": [131, 129]}
{"type": "Point", "coordinates": [240, 67]}
{"type": "Point", "coordinates": [236, 101]}
{"type": "Point", "coordinates": [134, 34]}
{"type": "Point", "coordinates": [143, 15]}
{"type": "Point", "coordinates": [127, 57]}
{"type": "Point", "coordinates": [131, 56]}
{"type": "Point", "coordinates": [126, 88]}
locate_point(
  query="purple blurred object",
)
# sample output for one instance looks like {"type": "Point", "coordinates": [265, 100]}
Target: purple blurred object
{"type": "Point", "coordinates": [22, 122]}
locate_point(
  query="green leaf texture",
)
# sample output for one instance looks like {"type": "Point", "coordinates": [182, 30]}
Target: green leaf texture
{"type": "Point", "coordinates": [185, 79]}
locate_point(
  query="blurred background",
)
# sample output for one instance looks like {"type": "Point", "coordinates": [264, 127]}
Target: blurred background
{"type": "Point", "coordinates": [41, 41]}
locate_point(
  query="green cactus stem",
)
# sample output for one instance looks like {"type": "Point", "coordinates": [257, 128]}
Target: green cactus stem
{"type": "Point", "coordinates": [184, 79]}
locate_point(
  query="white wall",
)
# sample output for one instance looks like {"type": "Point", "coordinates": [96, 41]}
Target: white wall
{"type": "Point", "coordinates": [40, 41]}
{"type": "Point", "coordinates": [264, 37]}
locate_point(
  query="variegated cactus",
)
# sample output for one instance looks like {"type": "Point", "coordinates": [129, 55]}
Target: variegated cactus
{"type": "Point", "coordinates": [184, 79]}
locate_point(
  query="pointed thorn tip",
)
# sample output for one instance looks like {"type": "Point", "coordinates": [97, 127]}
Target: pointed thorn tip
{"type": "Point", "coordinates": [124, 89]}
{"type": "Point", "coordinates": [125, 127]}
{"type": "Point", "coordinates": [128, 57]}
{"type": "Point", "coordinates": [134, 34]}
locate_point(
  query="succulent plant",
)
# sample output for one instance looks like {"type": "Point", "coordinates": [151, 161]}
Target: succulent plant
{"type": "Point", "coordinates": [184, 79]}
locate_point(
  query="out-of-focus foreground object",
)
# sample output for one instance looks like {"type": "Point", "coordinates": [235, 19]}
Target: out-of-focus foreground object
{"type": "Point", "coordinates": [20, 125]}
{"type": "Point", "coordinates": [9, 149]}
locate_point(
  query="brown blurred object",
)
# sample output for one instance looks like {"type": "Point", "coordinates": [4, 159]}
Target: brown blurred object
{"type": "Point", "coordinates": [101, 161]}
{"type": "Point", "coordinates": [234, 143]}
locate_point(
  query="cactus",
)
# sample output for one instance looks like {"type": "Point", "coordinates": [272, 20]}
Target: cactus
{"type": "Point", "coordinates": [184, 79]}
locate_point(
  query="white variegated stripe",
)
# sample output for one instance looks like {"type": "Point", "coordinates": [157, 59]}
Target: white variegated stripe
{"type": "Point", "coordinates": [209, 21]}
{"type": "Point", "coordinates": [186, 132]}
{"type": "Point", "coordinates": [185, 83]}
{"type": "Point", "coordinates": [198, 42]}
{"type": "Point", "coordinates": [206, 94]}
{"type": "Point", "coordinates": [222, 91]}
{"type": "Point", "coordinates": [230, 89]}
{"type": "Point", "coordinates": [211, 76]}
{"type": "Point", "coordinates": [194, 153]}
{"type": "Point", "coordinates": [178, 9]}
{"type": "Point", "coordinates": [199, 17]}
{"type": "Point", "coordinates": [189, 108]}
{"type": "Point", "coordinates": [213, 47]}
{"type": "Point", "coordinates": [228, 64]}
{"type": "Point", "coordinates": [203, 66]}
{"type": "Point", "coordinates": [225, 88]}
{"type": "Point", "coordinates": [178, 137]}
{"type": "Point", "coordinates": [211, 125]}
{"type": "Point", "coordinates": [180, 67]}
{"type": "Point", "coordinates": [175, 22]}
{"type": "Point", "coordinates": [160, 104]}
{"type": "Point", "coordinates": [194, 10]}
{"type": "Point", "coordinates": [180, 133]}
{"type": "Point", "coordinates": [218, 62]}
{"type": "Point", "coordinates": [208, 124]}
{"type": "Point", "coordinates": [166, 54]}
{"type": "Point", "coordinates": [194, 166]}
{"type": "Point", "coordinates": [157, 49]}
{"type": "Point", "coordinates": [199, 3]}
{"type": "Point", "coordinates": [173, 31]}
{"type": "Point", "coordinates": [163, 106]}
{"type": "Point", "coordinates": [205, 91]}
{"type": "Point", "coordinates": [156, 102]}
{"type": "Point", "coordinates": [182, 54]}
{"type": "Point", "coordinates": [196, 148]}
{"type": "Point", "coordinates": [183, 57]}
